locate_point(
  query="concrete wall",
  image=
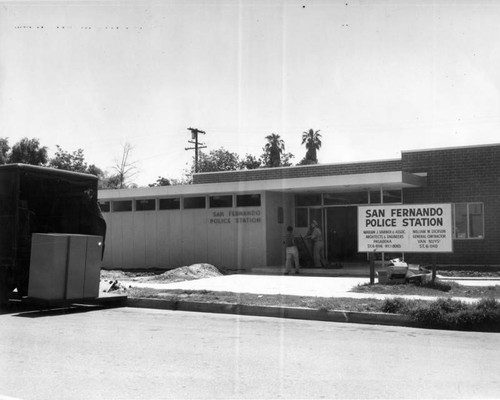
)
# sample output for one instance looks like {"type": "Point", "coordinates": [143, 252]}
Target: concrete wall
{"type": "Point", "coordinates": [173, 238]}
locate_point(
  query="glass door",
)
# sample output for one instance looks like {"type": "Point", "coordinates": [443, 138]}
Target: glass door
{"type": "Point", "coordinates": [342, 234]}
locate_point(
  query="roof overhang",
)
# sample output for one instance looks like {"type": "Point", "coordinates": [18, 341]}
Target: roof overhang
{"type": "Point", "coordinates": [393, 180]}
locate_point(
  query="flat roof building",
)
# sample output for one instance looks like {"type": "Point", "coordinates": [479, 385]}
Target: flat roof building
{"type": "Point", "coordinates": [237, 219]}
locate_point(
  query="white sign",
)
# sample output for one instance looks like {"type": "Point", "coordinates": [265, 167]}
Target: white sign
{"type": "Point", "coordinates": [405, 228]}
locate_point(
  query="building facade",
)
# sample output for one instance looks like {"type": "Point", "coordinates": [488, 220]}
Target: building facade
{"type": "Point", "coordinates": [237, 219]}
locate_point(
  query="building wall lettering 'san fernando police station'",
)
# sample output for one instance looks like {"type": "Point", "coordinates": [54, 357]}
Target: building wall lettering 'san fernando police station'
{"type": "Point", "coordinates": [237, 219]}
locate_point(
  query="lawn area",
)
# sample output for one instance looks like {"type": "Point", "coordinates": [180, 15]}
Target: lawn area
{"type": "Point", "coordinates": [206, 296]}
{"type": "Point", "coordinates": [439, 289]}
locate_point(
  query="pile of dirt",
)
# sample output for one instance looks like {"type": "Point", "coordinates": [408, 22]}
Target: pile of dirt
{"type": "Point", "coordinates": [188, 273]}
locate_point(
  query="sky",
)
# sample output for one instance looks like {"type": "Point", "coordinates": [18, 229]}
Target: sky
{"type": "Point", "coordinates": [375, 77]}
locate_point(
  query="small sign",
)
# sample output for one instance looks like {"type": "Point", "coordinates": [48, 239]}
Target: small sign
{"type": "Point", "coordinates": [415, 228]}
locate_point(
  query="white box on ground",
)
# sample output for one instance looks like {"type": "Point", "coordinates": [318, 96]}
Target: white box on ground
{"type": "Point", "coordinates": [64, 266]}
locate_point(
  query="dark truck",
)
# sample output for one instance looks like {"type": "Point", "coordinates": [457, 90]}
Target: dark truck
{"type": "Point", "coordinates": [41, 200]}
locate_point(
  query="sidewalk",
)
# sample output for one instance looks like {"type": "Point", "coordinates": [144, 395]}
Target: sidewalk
{"type": "Point", "coordinates": [295, 285]}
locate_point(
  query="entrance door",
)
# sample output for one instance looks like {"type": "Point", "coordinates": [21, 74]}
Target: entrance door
{"type": "Point", "coordinates": [342, 231]}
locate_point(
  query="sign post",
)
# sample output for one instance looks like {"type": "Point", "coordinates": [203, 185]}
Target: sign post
{"type": "Point", "coordinates": [405, 228]}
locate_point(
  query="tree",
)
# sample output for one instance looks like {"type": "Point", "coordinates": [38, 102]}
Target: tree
{"type": "Point", "coordinates": [250, 162]}
{"type": "Point", "coordinates": [28, 151]}
{"type": "Point", "coordinates": [4, 150]}
{"type": "Point", "coordinates": [274, 153]}
{"type": "Point", "coordinates": [125, 169]}
{"type": "Point", "coordinates": [312, 140]}
{"type": "Point", "coordinates": [161, 181]}
{"type": "Point", "coordinates": [217, 160]}
{"type": "Point", "coordinates": [94, 170]}
{"type": "Point", "coordinates": [74, 161]}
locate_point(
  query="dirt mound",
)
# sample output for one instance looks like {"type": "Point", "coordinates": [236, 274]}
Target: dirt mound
{"type": "Point", "coordinates": [189, 273]}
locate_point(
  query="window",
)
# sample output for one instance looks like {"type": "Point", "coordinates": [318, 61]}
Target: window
{"type": "Point", "coordinates": [194, 202]}
{"type": "Point", "coordinates": [221, 201]}
{"type": "Point", "coordinates": [248, 200]}
{"type": "Point", "coordinates": [104, 206]}
{"type": "Point", "coordinates": [145, 205]}
{"type": "Point", "coordinates": [281, 215]}
{"type": "Point", "coordinates": [122, 205]}
{"type": "Point", "coordinates": [392, 196]}
{"type": "Point", "coordinates": [170, 204]}
{"type": "Point", "coordinates": [468, 221]}
{"type": "Point", "coordinates": [301, 218]}
{"type": "Point", "coordinates": [374, 197]}
{"type": "Point", "coordinates": [331, 199]}
{"type": "Point", "coordinates": [307, 200]}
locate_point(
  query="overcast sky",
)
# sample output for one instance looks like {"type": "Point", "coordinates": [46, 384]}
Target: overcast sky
{"type": "Point", "coordinates": [375, 77]}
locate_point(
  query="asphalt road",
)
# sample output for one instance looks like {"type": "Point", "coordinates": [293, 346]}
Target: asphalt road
{"type": "Point", "coordinates": [154, 354]}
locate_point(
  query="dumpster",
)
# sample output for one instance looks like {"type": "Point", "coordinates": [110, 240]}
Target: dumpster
{"type": "Point", "coordinates": [41, 200]}
{"type": "Point", "coordinates": [64, 267]}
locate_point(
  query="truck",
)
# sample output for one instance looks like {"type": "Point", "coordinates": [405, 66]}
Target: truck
{"type": "Point", "coordinates": [35, 199]}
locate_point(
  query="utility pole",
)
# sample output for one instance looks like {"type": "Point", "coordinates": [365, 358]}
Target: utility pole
{"type": "Point", "coordinates": [197, 145]}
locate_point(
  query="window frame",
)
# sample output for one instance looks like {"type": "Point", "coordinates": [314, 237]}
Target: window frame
{"type": "Point", "coordinates": [169, 200]}
{"type": "Point", "coordinates": [194, 208]}
{"type": "Point", "coordinates": [148, 201]}
{"type": "Point", "coordinates": [116, 202]}
{"type": "Point", "coordinates": [468, 221]}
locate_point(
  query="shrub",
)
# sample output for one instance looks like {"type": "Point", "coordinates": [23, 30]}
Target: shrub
{"type": "Point", "coordinates": [438, 285]}
{"type": "Point", "coordinates": [397, 305]}
{"type": "Point", "coordinates": [448, 313]}
{"type": "Point", "coordinates": [453, 314]}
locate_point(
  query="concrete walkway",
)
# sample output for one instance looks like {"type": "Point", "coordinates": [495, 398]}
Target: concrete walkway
{"type": "Point", "coordinates": [295, 285]}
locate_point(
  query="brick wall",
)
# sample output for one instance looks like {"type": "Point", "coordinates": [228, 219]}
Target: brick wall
{"type": "Point", "coordinates": [467, 174]}
{"type": "Point", "coordinates": [305, 171]}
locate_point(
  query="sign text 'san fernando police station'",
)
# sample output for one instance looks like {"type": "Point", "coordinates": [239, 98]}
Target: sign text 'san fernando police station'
{"type": "Point", "coordinates": [405, 228]}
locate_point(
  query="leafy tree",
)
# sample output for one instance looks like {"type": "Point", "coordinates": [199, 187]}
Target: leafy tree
{"type": "Point", "coordinates": [109, 182]}
{"type": "Point", "coordinates": [285, 159]}
{"type": "Point", "coordinates": [74, 161]}
{"type": "Point", "coordinates": [4, 150]}
{"type": "Point", "coordinates": [28, 151]}
{"type": "Point", "coordinates": [94, 170]}
{"type": "Point", "coordinates": [125, 169]}
{"type": "Point", "coordinates": [250, 162]}
{"type": "Point", "coordinates": [312, 140]}
{"type": "Point", "coordinates": [217, 160]}
{"type": "Point", "coordinates": [161, 181]}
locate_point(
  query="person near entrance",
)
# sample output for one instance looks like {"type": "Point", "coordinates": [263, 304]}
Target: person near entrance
{"type": "Point", "coordinates": [316, 237]}
{"type": "Point", "coordinates": [291, 251]}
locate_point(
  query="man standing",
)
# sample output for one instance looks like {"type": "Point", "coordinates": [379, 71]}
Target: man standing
{"type": "Point", "coordinates": [317, 243]}
{"type": "Point", "coordinates": [292, 253]}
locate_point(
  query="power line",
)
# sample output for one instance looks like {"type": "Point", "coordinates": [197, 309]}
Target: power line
{"type": "Point", "coordinates": [197, 145]}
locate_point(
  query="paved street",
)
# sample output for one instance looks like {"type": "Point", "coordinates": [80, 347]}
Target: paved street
{"type": "Point", "coordinates": [139, 353]}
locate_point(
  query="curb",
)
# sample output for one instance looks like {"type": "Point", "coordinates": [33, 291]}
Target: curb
{"type": "Point", "coordinates": [467, 278]}
{"type": "Point", "coordinates": [276, 312]}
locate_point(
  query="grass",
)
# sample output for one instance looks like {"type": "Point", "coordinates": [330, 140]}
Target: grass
{"type": "Point", "coordinates": [444, 313]}
{"type": "Point", "coordinates": [317, 303]}
{"type": "Point", "coordinates": [448, 313]}
{"type": "Point", "coordinates": [437, 289]}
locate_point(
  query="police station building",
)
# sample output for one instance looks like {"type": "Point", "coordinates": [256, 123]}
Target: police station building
{"type": "Point", "coordinates": [237, 219]}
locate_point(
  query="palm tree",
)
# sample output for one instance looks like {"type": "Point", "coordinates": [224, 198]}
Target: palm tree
{"type": "Point", "coordinates": [274, 147]}
{"type": "Point", "coordinates": [312, 140]}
